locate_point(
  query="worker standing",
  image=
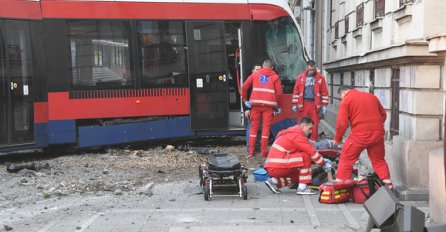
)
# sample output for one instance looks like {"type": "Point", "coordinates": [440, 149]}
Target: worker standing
{"type": "Point", "coordinates": [366, 116]}
{"type": "Point", "coordinates": [264, 101]}
{"type": "Point", "coordinates": [290, 158]}
{"type": "Point", "coordinates": [310, 96]}
{"type": "Point", "coordinates": [255, 68]}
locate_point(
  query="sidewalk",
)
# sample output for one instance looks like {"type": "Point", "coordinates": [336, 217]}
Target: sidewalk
{"type": "Point", "coordinates": [181, 207]}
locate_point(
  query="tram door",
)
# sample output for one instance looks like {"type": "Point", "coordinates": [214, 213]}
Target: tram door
{"type": "Point", "coordinates": [207, 75]}
{"type": "Point", "coordinates": [16, 102]}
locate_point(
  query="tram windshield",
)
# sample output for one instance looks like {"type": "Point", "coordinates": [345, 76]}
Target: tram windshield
{"type": "Point", "coordinates": [279, 41]}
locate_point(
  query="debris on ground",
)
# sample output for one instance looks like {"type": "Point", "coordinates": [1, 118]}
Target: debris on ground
{"type": "Point", "coordinates": [12, 167]}
{"type": "Point", "coordinates": [113, 171]}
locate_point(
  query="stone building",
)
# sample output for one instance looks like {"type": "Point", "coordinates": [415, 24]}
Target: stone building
{"type": "Point", "coordinates": [396, 50]}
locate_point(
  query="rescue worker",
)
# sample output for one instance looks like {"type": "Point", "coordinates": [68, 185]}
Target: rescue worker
{"type": "Point", "coordinates": [366, 116]}
{"type": "Point", "coordinates": [255, 68]}
{"type": "Point", "coordinates": [310, 96]}
{"type": "Point", "coordinates": [289, 159]}
{"type": "Point", "coordinates": [264, 102]}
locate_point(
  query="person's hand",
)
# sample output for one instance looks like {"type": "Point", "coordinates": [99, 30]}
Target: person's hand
{"type": "Point", "coordinates": [327, 167]}
{"type": "Point", "coordinates": [248, 104]}
{"type": "Point", "coordinates": [277, 111]}
{"type": "Point", "coordinates": [294, 108]}
{"type": "Point", "coordinates": [247, 114]}
{"type": "Point", "coordinates": [324, 109]}
{"type": "Point", "coordinates": [327, 161]}
{"type": "Point", "coordinates": [335, 144]}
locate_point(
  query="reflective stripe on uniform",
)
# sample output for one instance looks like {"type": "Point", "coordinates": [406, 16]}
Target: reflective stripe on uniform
{"type": "Point", "coordinates": [315, 155]}
{"type": "Point", "coordinates": [265, 137]}
{"type": "Point", "coordinates": [283, 161]}
{"type": "Point", "coordinates": [300, 105]}
{"type": "Point", "coordinates": [304, 170]}
{"type": "Point", "coordinates": [318, 94]}
{"type": "Point", "coordinates": [295, 96]}
{"type": "Point", "coordinates": [324, 97]}
{"type": "Point", "coordinates": [264, 102]}
{"type": "Point", "coordinates": [264, 90]}
{"type": "Point", "coordinates": [280, 148]}
{"type": "Point", "coordinates": [318, 157]}
{"type": "Point", "coordinates": [320, 160]}
{"type": "Point", "coordinates": [324, 101]}
{"type": "Point", "coordinates": [304, 177]}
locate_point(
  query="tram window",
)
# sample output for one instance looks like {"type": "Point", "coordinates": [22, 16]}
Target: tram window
{"type": "Point", "coordinates": [285, 49]}
{"type": "Point", "coordinates": [162, 54]}
{"type": "Point", "coordinates": [279, 41]}
{"type": "Point", "coordinates": [99, 54]}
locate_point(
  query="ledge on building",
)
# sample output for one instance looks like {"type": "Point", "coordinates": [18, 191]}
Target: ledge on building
{"type": "Point", "coordinates": [437, 44]}
{"type": "Point", "coordinates": [334, 43]}
{"type": "Point", "coordinates": [344, 38]}
{"type": "Point", "coordinates": [403, 14]}
{"type": "Point", "coordinates": [357, 32]}
{"type": "Point", "coordinates": [376, 25]}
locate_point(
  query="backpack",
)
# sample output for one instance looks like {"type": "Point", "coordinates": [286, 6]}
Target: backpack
{"type": "Point", "coordinates": [364, 189]}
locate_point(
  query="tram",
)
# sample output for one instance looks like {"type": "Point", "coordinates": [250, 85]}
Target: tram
{"type": "Point", "coordinates": [93, 73]}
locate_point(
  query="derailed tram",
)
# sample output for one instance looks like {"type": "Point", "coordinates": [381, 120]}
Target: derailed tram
{"type": "Point", "coordinates": [92, 73]}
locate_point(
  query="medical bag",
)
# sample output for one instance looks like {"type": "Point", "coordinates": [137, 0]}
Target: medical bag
{"type": "Point", "coordinates": [336, 192]}
{"type": "Point", "coordinates": [365, 188]}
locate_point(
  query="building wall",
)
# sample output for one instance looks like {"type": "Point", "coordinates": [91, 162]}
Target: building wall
{"type": "Point", "coordinates": [409, 43]}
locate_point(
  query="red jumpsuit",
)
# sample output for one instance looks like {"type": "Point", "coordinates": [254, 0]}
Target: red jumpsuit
{"type": "Point", "coordinates": [366, 115]}
{"type": "Point", "coordinates": [289, 158]}
{"type": "Point", "coordinates": [310, 108]}
{"type": "Point", "coordinates": [265, 96]}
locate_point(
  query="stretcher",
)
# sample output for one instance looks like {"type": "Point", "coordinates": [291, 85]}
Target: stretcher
{"type": "Point", "coordinates": [223, 170]}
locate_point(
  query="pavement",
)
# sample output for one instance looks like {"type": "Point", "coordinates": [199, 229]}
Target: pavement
{"type": "Point", "coordinates": [180, 206]}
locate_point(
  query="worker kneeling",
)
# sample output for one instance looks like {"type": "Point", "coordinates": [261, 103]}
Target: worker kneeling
{"type": "Point", "coordinates": [289, 159]}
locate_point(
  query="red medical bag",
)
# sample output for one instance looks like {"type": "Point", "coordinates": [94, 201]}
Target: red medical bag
{"type": "Point", "coordinates": [361, 192]}
{"type": "Point", "coordinates": [336, 192]}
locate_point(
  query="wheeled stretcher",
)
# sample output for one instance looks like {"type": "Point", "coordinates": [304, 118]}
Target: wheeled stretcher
{"type": "Point", "coordinates": [223, 170]}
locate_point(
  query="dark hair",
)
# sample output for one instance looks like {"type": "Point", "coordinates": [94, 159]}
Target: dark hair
{"type": "Point", "coordinates": [255, 65]}
{"type": "Point", "coordinates": [306, 120]}
{"type": "Point", "coordinates": [311, 63]}
{"type": "Point", "coordinates": [344, 88]}
{"type": "Point", "coordinates": [267, 63]}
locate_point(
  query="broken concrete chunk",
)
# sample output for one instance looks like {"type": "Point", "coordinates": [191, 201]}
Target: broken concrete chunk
{"type": "Point", "coordinates": [12, 167]}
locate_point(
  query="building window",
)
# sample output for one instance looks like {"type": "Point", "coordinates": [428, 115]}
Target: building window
{"type": "Point", "coordinates": [360, 15]}
{"type": "Point", "coordinates": [99, 54]}
{"type": "Point", "coordinates": [352, 79]}
{"type": "Point", "coordinates": [162, 54]}
{"type": "Point", "coordinates": [336, 30]}
{"type": "Point", "coordinates": [346, 24]}
{"type": "Point", "coordinates": [332, 89]}
{"type": "Point", "coordinates": [380, 8]}
{"type": "Point", "coordinates": [404, 2]}
{"type": "Point", "coordinates": [395, 112]}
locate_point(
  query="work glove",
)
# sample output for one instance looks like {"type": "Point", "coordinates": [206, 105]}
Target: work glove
{"type": "Point", "coordinates": [277, 111]}
{"type": "Point", "coordinates": [327, 166]}
{"type": "Point", "coordinates": [248, 104]}
{"type": "Point", "coordinates": [294, 108]}
{"type": "Point", "coordinates": [324, 109]}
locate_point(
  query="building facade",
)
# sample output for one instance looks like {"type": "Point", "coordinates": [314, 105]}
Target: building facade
{"type": "Point", "coordinates": [396, 50]}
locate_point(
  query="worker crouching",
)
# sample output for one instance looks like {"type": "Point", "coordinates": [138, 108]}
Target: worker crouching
{"type": "Point", "coordinates": [289, 159]}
